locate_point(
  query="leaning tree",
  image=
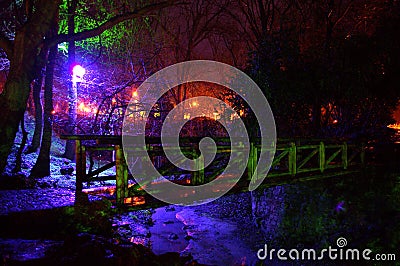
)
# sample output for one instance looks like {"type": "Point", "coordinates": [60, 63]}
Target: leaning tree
{"type": "Point", "coordinates": [23, 36]}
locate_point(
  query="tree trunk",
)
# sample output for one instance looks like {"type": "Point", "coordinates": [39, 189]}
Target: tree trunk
{"type": "Point", "coordinates": [72, 88]}
{"type": "Point", "coordinates": [13, 103]}
{"type": "Point", "coordinates": [22, 56]}
{"type": "Point", "coordinates": [42, 166]}
{"type": "Point", "coordinates": [18, 159]}
{"type": "Point", "coordinates": [37, 134]}
{"type": "Point", "coordinates": [37, 87]}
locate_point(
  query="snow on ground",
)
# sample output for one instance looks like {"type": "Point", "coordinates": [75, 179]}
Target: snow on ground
{"type": "Point", "coordinates": [56, 179]}
{"type": "Point", "coordinates": [56, 190]}
{"type": "Point", "coordinates": [28, 160]}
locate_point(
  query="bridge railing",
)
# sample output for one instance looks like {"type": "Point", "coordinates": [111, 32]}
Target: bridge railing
{"type": "Point", "coordinates": [294, 158]}
{"type": "Point", "coordinates": [291, 159]}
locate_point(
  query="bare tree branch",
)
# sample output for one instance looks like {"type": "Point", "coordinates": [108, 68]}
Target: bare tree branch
{"type": "Point", "coordinates": [111, 22]}
{"type": "Point", "coordinates": [349, 6]}
{"type": "Point", "coordinates": [6, 45]}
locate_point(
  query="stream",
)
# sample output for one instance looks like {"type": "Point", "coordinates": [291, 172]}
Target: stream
{"type": "Point", "coordinates": [203, 232]}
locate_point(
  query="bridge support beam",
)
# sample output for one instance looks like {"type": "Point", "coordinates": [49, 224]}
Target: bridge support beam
{"type": "Point", "coordinates": [80, 160]}
{"type": "Point", "coordinates": [121, 175]}
{"type": "Point", "coordinates": [198, 176]}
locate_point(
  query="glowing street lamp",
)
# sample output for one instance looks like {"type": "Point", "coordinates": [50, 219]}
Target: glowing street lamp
{"type": "Point", "coordinates": [77, 77]}
{"type": "Point", "coordinates": [77, 73]}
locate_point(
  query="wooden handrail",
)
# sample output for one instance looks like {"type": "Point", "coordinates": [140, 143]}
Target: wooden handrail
{"type": "Point", "coordinates": [291, 159]}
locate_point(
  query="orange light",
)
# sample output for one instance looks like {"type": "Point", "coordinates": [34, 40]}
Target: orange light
{"type": "Point", "coordinates": [81, 106]}
{"type": "Point", "coordinates": [138, 200]}
{"type": "Point", "coordinates": [394, 126]}
{"type": "Point", "coordinates": [134, 94]}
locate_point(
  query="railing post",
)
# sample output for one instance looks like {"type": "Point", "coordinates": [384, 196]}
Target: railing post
{"type": "Point", "coordinates": [345, 161]}
{"type": "Point", "coordinates": [254, 158]}
{"type": "Point", "coordinates": [252, 163]}
{"type": "Point", "coordinates": [322, 156]}
{"type": "Point", "coordinates": [292, 159]}
{"type": "Point", "coordinates": [198, 176]}
{"type": "Point", "coordinates": [121, 175]}
{"type": "Point", "coordinates": [80, 161]}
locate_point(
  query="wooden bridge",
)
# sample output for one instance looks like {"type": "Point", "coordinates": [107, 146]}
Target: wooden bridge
{"type": "Point", "coordinates": [294, 161]}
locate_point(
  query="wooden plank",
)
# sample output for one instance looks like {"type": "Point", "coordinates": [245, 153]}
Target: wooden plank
{"type": "Point", "coordinates": [271, 174]}
{"type": "Point", "coordinates": [278, 158]}
{"type": "Point", "coordinates": [333, 146]}
{"type": "Point", "coordinates": [82, 137]}
{"type": "Point", "coordinates": [308, 158]}
{"type": "Point", "coordinates": [308, 170]}
{"type": "Point", "coordinates": [99, 170]}
{"type": "Point", "coordinates": [352, 157]}
{"type": "Point", "coordinates": [293, 159]}
{"type": "Point", "coordinates": [333, 156]}
{"type": "Point", "coordinates": [322, 161]}
{"type": "Point", "coordinates": [307, 147]}
{"type": "Point", "coordinates": [99, 148]}
{"type": "Point", "coordinates": [334, 166]}
{"type": "Point", "coordinates": [345, 161]}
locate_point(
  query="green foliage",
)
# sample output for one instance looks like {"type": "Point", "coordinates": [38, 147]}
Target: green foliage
{"type": "Point", "coordinates": [93, 217]}
{"type": "Point", "coordinates": [92, 14]}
